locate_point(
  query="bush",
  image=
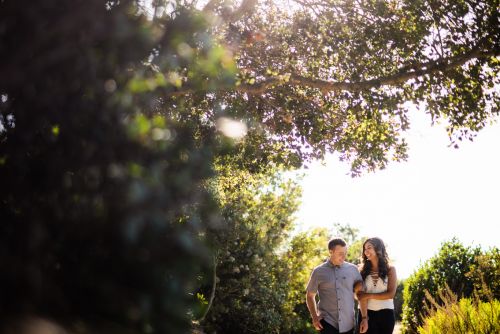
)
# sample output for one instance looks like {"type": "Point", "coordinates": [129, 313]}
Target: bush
{"type": "Point", "coordinates": [465, 316]}
{"type": "Point", "coordinates": [485, 275]}
{"type": "Point", "coordinates": [467, 272]}
{"type": "Point", "coordinates": [448, 268]}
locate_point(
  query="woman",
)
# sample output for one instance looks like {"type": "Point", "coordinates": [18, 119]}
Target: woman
{"type": "Point", "coordinates": [376, 302]}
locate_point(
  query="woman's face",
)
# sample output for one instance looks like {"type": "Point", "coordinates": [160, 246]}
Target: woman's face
{"type": "Point", "coordinates": [369, 251]}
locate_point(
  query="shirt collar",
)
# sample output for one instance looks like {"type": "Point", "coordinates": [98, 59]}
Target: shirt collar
{"type": "Point", "coordinates": [331, 265]}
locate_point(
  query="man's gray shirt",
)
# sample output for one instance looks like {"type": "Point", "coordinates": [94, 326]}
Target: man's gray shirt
{"type": "Point", "coordinates": [335, 286]}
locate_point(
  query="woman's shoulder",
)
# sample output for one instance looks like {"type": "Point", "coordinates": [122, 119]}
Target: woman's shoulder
{"type": "Point", "coordinates": [391, 270]}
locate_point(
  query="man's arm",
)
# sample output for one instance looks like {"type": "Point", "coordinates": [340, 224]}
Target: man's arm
{"type": "Point", "coordinates": [311, 305]}
{"type": "Point", "coordinates": [358, 286]}
{"type": "Point", "coordinates": [363, 306]}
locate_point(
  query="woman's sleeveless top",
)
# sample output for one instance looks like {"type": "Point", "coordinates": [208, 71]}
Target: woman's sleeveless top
{"type": "Point", "coordinates": [378, 285]}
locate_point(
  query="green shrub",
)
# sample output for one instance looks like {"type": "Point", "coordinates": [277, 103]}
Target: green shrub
{"type": "Point", "coordinates": [485, 275]}
{"type": "Point", "coordinates": [448, 268]}
{"type": "Point", "coordinates": [467, 272]}
{"type": "Point", "coordinates": [465, 316]}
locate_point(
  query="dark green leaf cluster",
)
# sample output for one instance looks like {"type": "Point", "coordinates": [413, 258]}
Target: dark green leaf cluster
{"type": "Point", "coordinates": [101, 198]}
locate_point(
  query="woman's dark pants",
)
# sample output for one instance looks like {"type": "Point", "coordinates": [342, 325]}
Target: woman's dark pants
{"type": "Point", "coordinates": [380, 322]}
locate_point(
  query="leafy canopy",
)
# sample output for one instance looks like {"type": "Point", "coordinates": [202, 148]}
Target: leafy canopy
{"type": "Point", "coordinates": [339, 75]}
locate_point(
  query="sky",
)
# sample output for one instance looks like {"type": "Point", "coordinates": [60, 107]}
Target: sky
{"type": "Point", "coordinates": [439, 193]}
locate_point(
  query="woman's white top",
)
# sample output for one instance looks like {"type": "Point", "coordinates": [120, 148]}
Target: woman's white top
{"type": "Point", "coordinates": [377, 286]}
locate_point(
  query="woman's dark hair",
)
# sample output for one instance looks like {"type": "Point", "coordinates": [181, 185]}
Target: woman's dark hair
{"type": "Point", "coordinates": [383, 258]}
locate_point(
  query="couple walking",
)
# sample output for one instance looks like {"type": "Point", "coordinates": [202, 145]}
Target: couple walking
{"type": "Point", "coordinates": [338, 282]}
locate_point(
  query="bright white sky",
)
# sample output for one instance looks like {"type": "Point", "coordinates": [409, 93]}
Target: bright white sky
{"type": "Point", "coordinates": [439, 193]}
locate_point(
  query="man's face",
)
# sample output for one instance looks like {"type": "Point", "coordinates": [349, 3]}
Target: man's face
{"type": "Point", "coordinates": [337, 255]}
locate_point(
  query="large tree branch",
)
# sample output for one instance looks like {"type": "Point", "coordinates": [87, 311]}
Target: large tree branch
{"type": "Point", "coordinates": [428, 68]}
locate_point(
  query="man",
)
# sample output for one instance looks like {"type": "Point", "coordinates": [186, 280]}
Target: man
{"type": "Point", "coordinates": [336, 282]}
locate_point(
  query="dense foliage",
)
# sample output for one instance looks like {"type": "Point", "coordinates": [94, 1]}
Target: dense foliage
{"type": "Point", "coordinates": [455, 267]}
{"type": "Point", "coordinates": [101, 200]}
{"type": "Point", "coordinates": [485, 274]}
{"type": "Point", "coordinates": [252, 275]}
{"type": "Point", "coordinates": [335, 75]}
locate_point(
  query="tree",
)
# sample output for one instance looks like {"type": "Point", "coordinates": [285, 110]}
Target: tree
{"type": "Point", "coordinates": [101, 199]}
{"type": "Point", "coordinates": [251, 280]}
{"type": "Point", "coordinates": [336, 75]}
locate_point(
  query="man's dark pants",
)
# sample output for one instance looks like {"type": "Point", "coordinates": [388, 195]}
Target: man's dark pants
{"type": "Point", "coordinates": [329, 329]}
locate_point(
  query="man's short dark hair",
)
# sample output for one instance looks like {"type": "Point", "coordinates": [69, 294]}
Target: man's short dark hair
{"type": "Point", "coordinates": [336, 242]}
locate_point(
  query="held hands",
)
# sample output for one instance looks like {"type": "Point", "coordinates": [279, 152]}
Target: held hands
{"type": "Point", "coordinates": [317, 324]}
{"type": "Point", "coordinates": [363, 326]}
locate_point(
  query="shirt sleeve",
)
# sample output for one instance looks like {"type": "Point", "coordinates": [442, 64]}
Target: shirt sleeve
{"type": "Point", "coordinates": [312, 285]}
{"type": "Point", "coordinates": [357, 276]}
